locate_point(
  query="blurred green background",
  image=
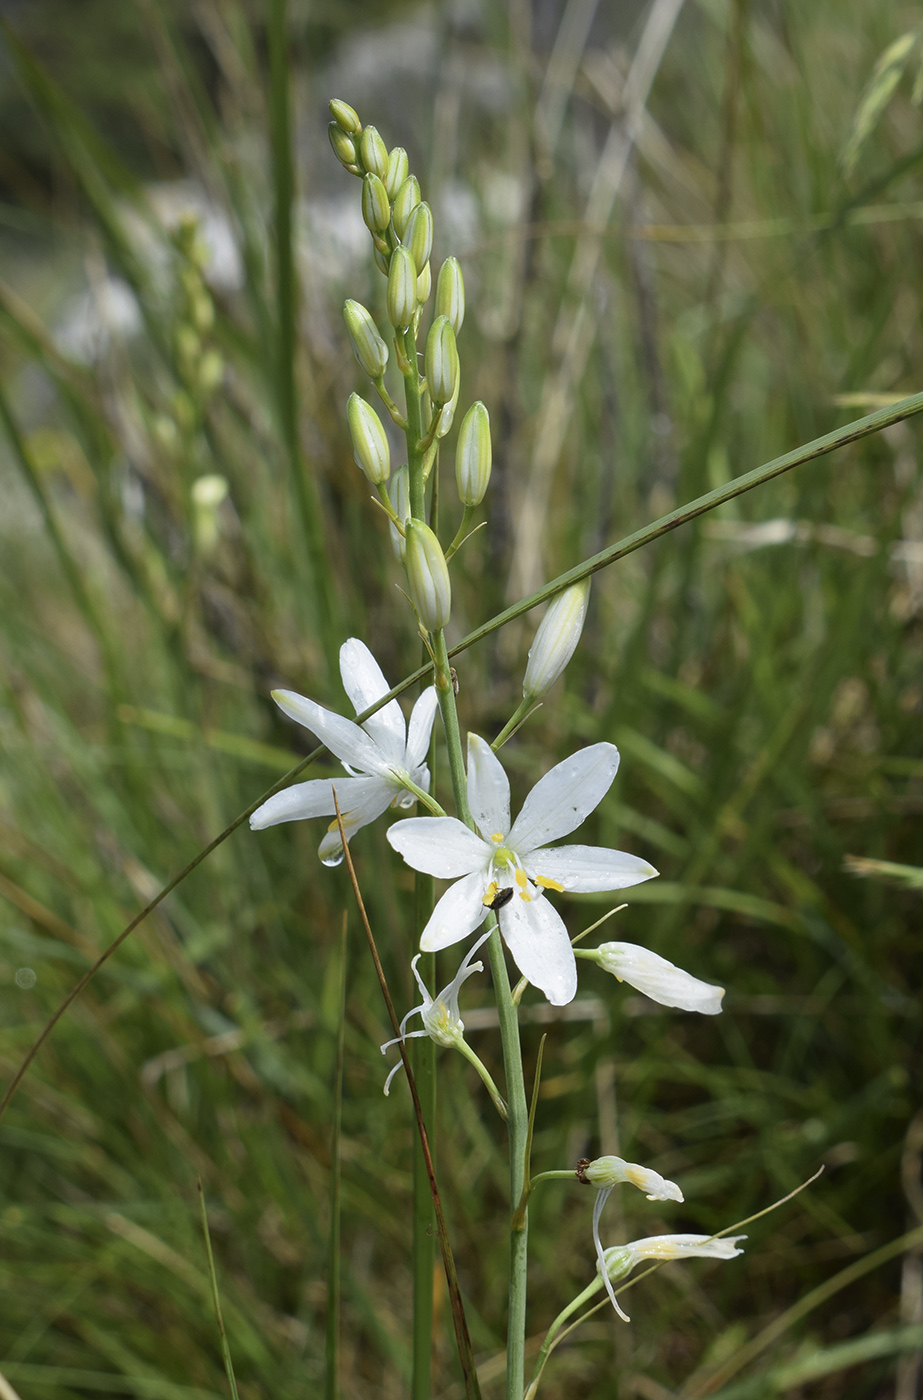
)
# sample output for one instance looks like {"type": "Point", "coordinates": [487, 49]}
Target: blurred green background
{"type": "Point", "coordinates": [645, 322]}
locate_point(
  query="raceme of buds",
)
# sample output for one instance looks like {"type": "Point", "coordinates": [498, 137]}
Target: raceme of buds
{"type": "Point", "coordinates": [441, 360]}
{"type": "Point", "coordinates": [344, 148]}
{"type": "Point", "coordinates": [450, 293]}
{"type": "Point", "coordinates": [399, 495]}
{"type": "Point", "coordinates": [428, 576]}
{"type": "Point", "coordinates": [376, 209]}
{"type": "Point", "coordinates": [473, 455]}
{"type": "Point", "coordinates": [369, 348]}
{"type": "Point", "coordinates": [405, 201]}
{"type": "Point", "coordinates": [345, 116]}
{"type": "Point", "coordinates": [402, 288]}
{"type": "Point", "coordinates": [398, 170]}
{"type": "Point", "coordinates": [418, 235]}
{"type": "Point", "coordinates": [370, 444]}
{"type": "Point", "coordinates": [556, 639]}
{"type": "Point", "coordinates": [374, 152]}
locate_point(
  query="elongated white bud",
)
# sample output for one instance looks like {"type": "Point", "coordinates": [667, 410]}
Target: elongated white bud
{"type": "Point", "coordinates": [606, 1172]}
{"type": "Point", "coordinates": [370, 445]}
{"type": "Point", "coordinates": [405, 202]}
{"type": "Point", "coordinates": [418, 235]}
{"type": "Point", "coordinates": [441, 360]}
{"type": "Point", "coordinates": [556, 639]}
{"type": "Point", "coordinates": [344, 147]}
{"type": "Point", "coordinates": [368, 347]}
{"type": "Point", "coordinates": [657, 978]}
{"type": "Point", "coordinates": [428, 576]}
{"type": "Point", "coordinates": [374, 152]}
{"type": "Point", "coordinates": [399, 495]}
{"type": "Point", "coordinates": [345, 116]}
{"type": "Point", "coordinates": [376, 209]}
{"type": "Point", "coordinates": [402, 288]}
{"type": "Point", "coordinates": [424, 285]}
{"type": "Point", "coordinates": [450, 293]}
{"type": "Point", "coordinates": [398, 170]}
{"type": "Point", "coordinates": [473, 455]}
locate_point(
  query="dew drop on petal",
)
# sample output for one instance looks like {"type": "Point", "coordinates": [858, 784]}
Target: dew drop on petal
{"type": "Point", "coordinates": [335, 859]}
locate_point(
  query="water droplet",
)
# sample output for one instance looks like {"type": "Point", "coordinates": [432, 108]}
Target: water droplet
{"type": "Point", "coordinates": [25, 978]}
{"type": "Point", "coordinates": [335, 859]}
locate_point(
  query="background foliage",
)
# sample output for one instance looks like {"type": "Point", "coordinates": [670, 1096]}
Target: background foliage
{"type": "Point", "coordinates": [744, 287]}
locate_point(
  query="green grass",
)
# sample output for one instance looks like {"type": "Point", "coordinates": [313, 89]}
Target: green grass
{"type": "Point", "coordinates": [766, 698]}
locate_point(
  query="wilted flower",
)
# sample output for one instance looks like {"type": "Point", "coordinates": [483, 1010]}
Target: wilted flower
{"type": "Point", "coordinates": [619, 1260]}
{"type": "Point", "coordinates": [441, 1019]}
{"type": "Point", "coordinates": [380, 756]}
{"type": "Point", "coordinates": [608, 1172]}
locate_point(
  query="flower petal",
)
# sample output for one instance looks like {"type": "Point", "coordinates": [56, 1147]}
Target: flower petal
{"type": "Point", "coordinates": [459, 912]}
{"type": "Point", "coordinates": [357, 808]}
{"type": "Point", "coordinates": [346, 740]}
{"type": "Point", "coordinates": [565, 797]}
{"type": "Point", "coordinates": [488, 789]}
{"type": "Point", "coordinates": [658, 979]}
{"type": "Point", "coordinates": [315, 799]}
{"type": "Point", "coordinates": [440, 846]}
{"type": "Point", "coordinates": [586, 869]}
{"type": "Point", "coordinates": [420, 729]}
{"type": "Point", "coordinates": [364, 683]}
{"type": "Point", "coordinates": [536, 937]}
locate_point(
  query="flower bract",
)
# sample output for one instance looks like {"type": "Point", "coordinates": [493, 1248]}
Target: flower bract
{"type": "Point", "coordinates": [379, 756]}
{"type": "Point", "coordinates": [509, 866]}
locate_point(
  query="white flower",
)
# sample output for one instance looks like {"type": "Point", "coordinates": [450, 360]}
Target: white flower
{"type": "Point", "coordinates": [607, 1173]}
{"type": "Point", "coordinates": [657, 978]}
{"type": "Point", "coordinates": [508, 867]}
{"type": "Point", "coordinates": [441, 1019]}
{"type": "Point", "coordinates": [380, 756]}
{"type": "Point", "coordinates": [619, 1260]}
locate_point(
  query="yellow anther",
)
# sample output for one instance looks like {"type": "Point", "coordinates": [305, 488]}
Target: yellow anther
{"type": "Point", "coordinates": [497, 837]}
{"type": "Point", "coordinates": [547, 883]}
{"type": "Point", "coordinates": [521, 879]}
{"type": "Point", "coordinates": [490, 894]}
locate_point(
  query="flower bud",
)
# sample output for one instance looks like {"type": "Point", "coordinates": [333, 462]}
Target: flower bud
{"type": "Point", "coordinates": [402, 288]}
{"type": "Point", "coordinates": [606, 1172]}
{"type": "Point", "coordinates": [658, 979]}
{"type": "Point", "coordinates": [374, 152]}
{"type": "Point", "coordinates": [441, 360]}
{"type": "Point", "coordinates": [399, 495]}
{"type": "Point", "coordinates": [376, 211]}
{"type": "Point", "coordinates": [398, 170]}
{"type": "Point", "coordinates": [344, 148]}
{"type": "Point", "coordinates": [207, 494]}
{"type": "Point", "coordinates": [424, 285]}
{"type": "Point", "coordinates": [428, 576]}
{"type": "Point", "coordinates": [405, 201]}
{"type": "Point", "coordinates": [369, 348]}
{"type": "Point", "coordinates": [450, 293]}
{"type": "Point", "coordinates": [418, 235]}
{"type": "Point", "coordinates": [345, 116]}
{"type": "Point", "coordinates": [382, 260]}
{"type": "Point", "coordinates": [447, 414]}
{"type": "Point", "coordinates": [473, 456]}
{"type": "Point", "coordinates": [370, 445]}
{"type": "Point", "coordinates": [556, 639]}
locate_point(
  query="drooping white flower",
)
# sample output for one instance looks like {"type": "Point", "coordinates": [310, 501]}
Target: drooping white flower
{"type": "Point", "coordinates": [508, 867]}
{"type": "Point", "coordinates": [619, 1260]}
{"type": "Point", "coordinates": [440, 1015]}
{"type": "Point", "coordinates": [608, 1172]}
{"type": "Point", "coordinates": [657, 978]}
{"type": "Point", "coordinates": [380, 756]}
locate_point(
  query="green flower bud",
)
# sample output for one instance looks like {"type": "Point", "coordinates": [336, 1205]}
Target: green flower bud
{"type": "Point", "coordinates": [424, 285]}
{"type": "Point", "coordinates": [556, 639]}
{"type": "Point", "coordinates": [207, 494]}
{"type": "Point", "coordinates": [405, 201]}
{"type": "Point", "coordinates": [376, 210]}
{"type": "Point", "coordinates": [441, 360]}
{"type": "Point", "coordinates": [428, 576]}
{"type": "Point", "coordinates": [374, 152]}
{"type": "Point", "coordinates": [344, 148]}
{"type": "Point", "coordinates": [398, 170]}
{"type": "Point", "coordinates": [399, 494]}
{"type": "Point", "coordinates": [345, 116]}
{"type": "Point", "coordinates": [369, 348]}
{"type": "Point", "coordinates": [402, 288]}
{"type": "Point", "coordinates": [450, 293]}
{"type": "Point", "coordinates": [382, 260]}
{"type": "Point", "coordinates": [211, 370]}
{"type": "Point", "coordinates": [447, 414]}
{"type": "Point", "coordinates": [370, 445]}
{"type": "Point", "coordinates": [473, 455]}
{"type": "Point", "coordinates": [418, 235]}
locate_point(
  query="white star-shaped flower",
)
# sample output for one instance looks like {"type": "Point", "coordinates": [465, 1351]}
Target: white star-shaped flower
{"type": "Point", "coordinates": [509, 867]}
{"type": "Point", "coordinates": [380, 756]}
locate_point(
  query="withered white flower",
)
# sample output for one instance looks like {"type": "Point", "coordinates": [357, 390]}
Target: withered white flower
{"type": "Point", "coordinates": [380, 756]}
{"type": "Point", "coordinates": [509, 868]}
{"type": "Point", "coordinates": [608, 1172]}
{"type": "Point", "coordinates": [619, 1260]}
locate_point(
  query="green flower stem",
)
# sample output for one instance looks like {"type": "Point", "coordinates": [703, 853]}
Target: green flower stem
{"type": "Point", "coordinates": [549, 1343]}
{"type": "Point", "coordinates": [396, 415]}
{"type": "Point", "coordinates": [517, 1107]}
{"type": "Point", "coordinates": [465, 1049]}
{"type": "Point", "coordinates": [463, 529]}
{"type": "Point", "coordinates": [552, 1176]}
{"type": "Point", "coordinates": [519, 715]}
{"type": "Point", "coordinates": [430, 803]}
{"type": "Point", "coordinates": [424, 1234]}
{"type": "Point", "coordinates": [413, 397]}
